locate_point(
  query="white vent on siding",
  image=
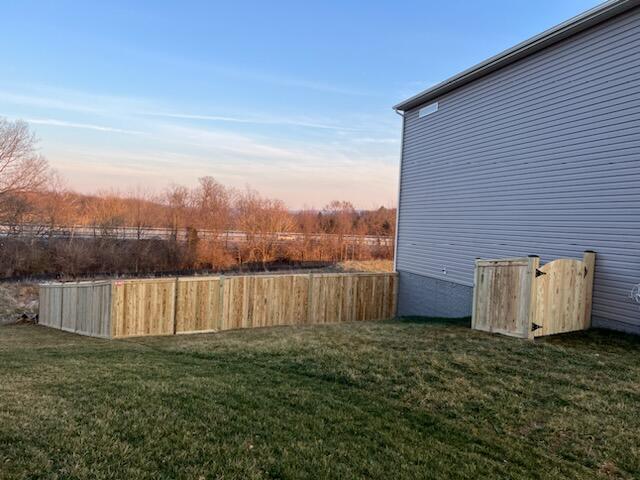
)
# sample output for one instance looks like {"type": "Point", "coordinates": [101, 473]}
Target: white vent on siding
{"type": "Point", "coordinates": [428, 110]}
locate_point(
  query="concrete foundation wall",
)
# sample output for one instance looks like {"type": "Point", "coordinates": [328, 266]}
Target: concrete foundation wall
{"type": "Point", "coordinates": [431, 297]}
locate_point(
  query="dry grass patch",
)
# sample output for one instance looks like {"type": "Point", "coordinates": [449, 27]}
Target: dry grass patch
{"type": "Point", "coordinates": [364, 266]}
{"type": "Point", "coordinates": [16, 299]}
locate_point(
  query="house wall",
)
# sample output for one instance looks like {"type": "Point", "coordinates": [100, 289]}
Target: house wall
{"type": "Point", "coordinates": [541, 157]}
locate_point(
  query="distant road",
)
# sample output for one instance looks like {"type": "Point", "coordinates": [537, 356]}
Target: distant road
{"type": "Point", "coordinates": [151, 233]}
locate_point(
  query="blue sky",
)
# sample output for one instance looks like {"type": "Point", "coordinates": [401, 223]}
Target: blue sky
{"type": "Point", "coordinates": [292, 98]}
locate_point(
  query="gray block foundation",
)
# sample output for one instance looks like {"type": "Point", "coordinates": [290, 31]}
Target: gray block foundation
{"type": "Point", "coordinates": [430, 297]}
{"type": "Point", "coordinates": [599, 322]}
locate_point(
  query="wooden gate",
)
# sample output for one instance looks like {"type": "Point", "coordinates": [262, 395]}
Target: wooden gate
{"type": "Point", "coordinates": [563, 290]}
{"type": "Point", "coordinates": [517, 297]}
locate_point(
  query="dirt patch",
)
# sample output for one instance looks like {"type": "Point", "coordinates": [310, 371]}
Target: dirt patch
{"type": "Point", "coordinates": [17, 301]}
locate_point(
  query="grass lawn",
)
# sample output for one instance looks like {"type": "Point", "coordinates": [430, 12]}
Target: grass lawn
{"type": "Point", "coordinates": [390, 400]}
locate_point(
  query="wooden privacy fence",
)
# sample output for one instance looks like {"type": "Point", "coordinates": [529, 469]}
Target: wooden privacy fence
{"type": "Point", "coordinates": [167, 306]}
{"type": "Point", "coordinates": [76, 307]}
{"type": "Point", "coordinates": [520, 298]}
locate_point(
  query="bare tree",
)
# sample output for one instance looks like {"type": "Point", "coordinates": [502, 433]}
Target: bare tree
{"type": "Point", "coordinates": [57, 208]}
{"type": "Point", "coordinates": [212, 202]}
{"type": "Point", "coordinates": [177, 200]}
{"type": "Point", "coordinates": [108, 212]}
{"type": "Point", "coordinates": [261, 219]}
{"type": "Point", "coordinates": [15, 211]}
{"type": "Point", "coordinates": [22, 168]}
{"type": "Point", "coordinates": [339, 218]}
{"type": "Point", "coordinates": [140, 210]}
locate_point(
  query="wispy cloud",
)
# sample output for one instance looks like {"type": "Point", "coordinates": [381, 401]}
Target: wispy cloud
{"type": "Point", "coordinates": [47, 99]}
{"type": "Point", "coordinates": [51, 98]}
{"type": "Point", "coordinates": [249, 120]}
{"type": "Point", "coordinates": [376, 140]}
{"type": "Point", "coordinates": [225, 144]}
{"type": "Point", "coordinates": [86, 126]}
{"type": "Point", "coordinates": [48, 102]}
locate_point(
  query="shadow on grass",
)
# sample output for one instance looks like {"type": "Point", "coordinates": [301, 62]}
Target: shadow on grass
{"type": "Point", "coordinates": [458, 322]}
{"type": "Point", "coordinates": [597, 338]}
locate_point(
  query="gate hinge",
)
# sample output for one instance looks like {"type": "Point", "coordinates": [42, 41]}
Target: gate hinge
{"type": "Point", "coordinates": [540, 272]}
{"type": "Point", "coordinates": [535, 326]}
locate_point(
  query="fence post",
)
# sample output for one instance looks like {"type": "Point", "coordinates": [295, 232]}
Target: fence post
{"type": "Point", "coordinates": [475, 293]}
{"type": "Point", "coordinates": [309, 298]}
{"type": "Point", "coordinates": [61, 304]}
{"type": "Point", "coordinates": [175, 307]}
{"type": "Point", "coordinates": [534, 264]}
{"type": "Point", "coordinates": [395, 277]}
{"type": "Point", "coordinates": [589, 259]}
{"type": "Point", "coordinates": [221, 295]}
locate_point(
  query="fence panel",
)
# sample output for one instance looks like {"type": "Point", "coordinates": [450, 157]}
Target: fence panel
{"type": "Point", "coordinates": [348, 298]}
{"type": "Point", "coordinates": [199, 305]}
{"type": "Point", "coordinates": [97, 321]}
{"type": "Point", "coordinates": [82, 307]}
{"type": "Point", "coordinates": [50, 310]}
{"type": "Point", "coordinates": [502, 296]}
{"type": "Point", "coordinates": [264, 300]}
{"type": "Point", "coordinates": [69, 307]}
{"type": "Point", "coordinates": [563, 296]}
{"type": "Point", "coordinates": [143, 307]}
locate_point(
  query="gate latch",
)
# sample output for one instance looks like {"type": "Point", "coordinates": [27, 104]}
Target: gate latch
{"type": "Point", "coordinates": [540, 272]}
{"type": "Point", "coordinates": [535, 326]}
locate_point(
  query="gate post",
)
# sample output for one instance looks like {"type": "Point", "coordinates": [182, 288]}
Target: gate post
{"type": "Point", "coordinates": [589, 260]}
{"type": "Point", "coordinates": [534, 264]}
{"type": "Point", "coordinates": [175, 305]}
{"type": "Point", "coordinates": [474, 315]}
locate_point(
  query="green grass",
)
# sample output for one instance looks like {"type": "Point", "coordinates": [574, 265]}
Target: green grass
{"type": "Point", "coordinates": [399, 399]}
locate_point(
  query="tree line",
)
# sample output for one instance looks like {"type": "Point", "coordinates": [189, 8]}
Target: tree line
{"type": "Point", "coordinates": [31, 194]}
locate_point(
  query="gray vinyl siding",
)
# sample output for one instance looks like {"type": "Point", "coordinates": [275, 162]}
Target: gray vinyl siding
{"type": "Point", "coordinates": [541, 157]}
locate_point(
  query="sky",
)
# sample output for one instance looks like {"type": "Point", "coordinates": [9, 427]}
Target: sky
{"type": "Point", "coordinates": [291, 98]}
